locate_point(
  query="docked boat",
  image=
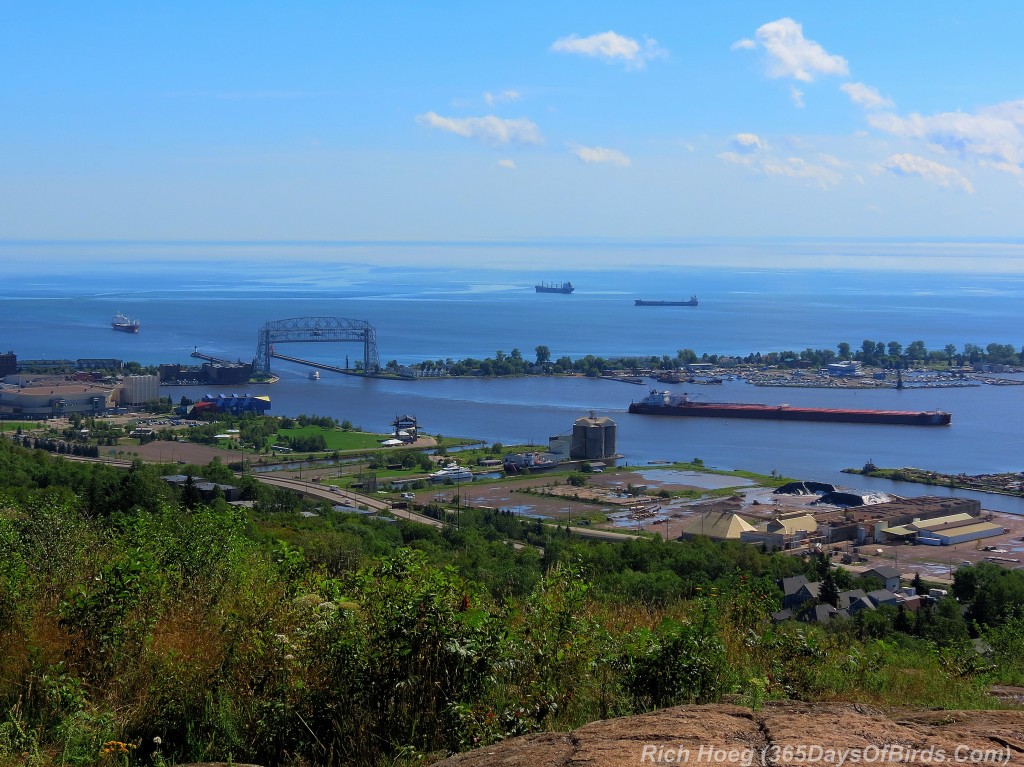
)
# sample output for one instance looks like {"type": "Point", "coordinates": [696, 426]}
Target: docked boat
{"type": "Point", "coordinates": [452, 473]}
{"type": "Point", "coordinates": [124, 324]}
{"type": "Point", "coordinates": [691, 302]}
{"type": "Point", "coordinates": [314, 375]}
{"type": "Point", "coordinates": [666, 403]}
{"type": "Point", "coordinates": [554, 287]}
{"type": "Point", "coordinates": [517, 463]}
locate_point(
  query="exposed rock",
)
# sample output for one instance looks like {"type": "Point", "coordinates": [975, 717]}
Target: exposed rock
{"type": "Point", "coordinates": [772, 736]}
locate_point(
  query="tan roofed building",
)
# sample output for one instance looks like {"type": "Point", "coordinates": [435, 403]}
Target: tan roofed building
{"type": "Point", "coordinates": [720, 525]}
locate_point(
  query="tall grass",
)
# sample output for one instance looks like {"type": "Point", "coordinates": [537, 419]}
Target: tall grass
{"type": "Point", "coordinates": [175, 632]}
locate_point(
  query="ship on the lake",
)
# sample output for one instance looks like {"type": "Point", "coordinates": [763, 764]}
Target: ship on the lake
{"type": "Point", "coordinates": [666, 403]}
{"type": "Point", "coordinates": [554, 287]}
{"type": "Point", "coordinates": [124, 324]}
{"type": "Point", "coordinates": [691, 302]}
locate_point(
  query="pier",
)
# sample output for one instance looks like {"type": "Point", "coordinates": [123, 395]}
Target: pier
{"type": "Point", "coordinates": [319, 365]}
{"type": "Point", "coordinates": [209, 358]}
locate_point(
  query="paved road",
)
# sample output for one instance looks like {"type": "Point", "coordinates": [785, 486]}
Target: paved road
{"type": "Point", "coordinates": [335, 494]}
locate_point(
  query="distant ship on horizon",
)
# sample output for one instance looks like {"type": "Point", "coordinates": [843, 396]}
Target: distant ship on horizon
{"type": "Point", "coordinates": [554, 287]}
{"type": "Point", "coordinates": [125, 325]}
{"type": "Point", "coordinates": [691, 302]}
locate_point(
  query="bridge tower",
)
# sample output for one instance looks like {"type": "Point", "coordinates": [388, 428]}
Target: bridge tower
{"type": "Point", "coordinates": [316, 330]}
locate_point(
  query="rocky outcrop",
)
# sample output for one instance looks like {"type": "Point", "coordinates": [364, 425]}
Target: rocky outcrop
{"type": "Point", "coordinates": [808, 735]}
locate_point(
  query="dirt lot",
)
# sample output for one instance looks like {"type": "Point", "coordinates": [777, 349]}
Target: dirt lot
{"type": "Point", "coordinates": [604, 495]}
{"type": "Point", "coordinates": [180, 452]}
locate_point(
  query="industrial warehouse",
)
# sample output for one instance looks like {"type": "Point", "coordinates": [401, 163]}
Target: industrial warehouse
{"type": "Point", "coordinates": [828, 521]}
{"type": "Point", "coordinates": [38, 396]}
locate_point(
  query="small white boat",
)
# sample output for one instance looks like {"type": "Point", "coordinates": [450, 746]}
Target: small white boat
{"type": "Point", "coordinates": [452, 472]}
{"type": "Point", "coordinates": [314, 375]}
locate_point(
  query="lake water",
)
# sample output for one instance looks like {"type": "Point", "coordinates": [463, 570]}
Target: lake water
{"type": "Point", "coordinates": [217, 301]}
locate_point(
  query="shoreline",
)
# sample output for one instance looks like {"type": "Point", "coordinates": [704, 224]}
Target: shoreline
{"type": "Point", "coordinates": [978, 483]}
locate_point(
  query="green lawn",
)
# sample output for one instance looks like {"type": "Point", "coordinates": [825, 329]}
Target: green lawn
{"type": "Point", "coordinates": [10, 426]}
{"type": "Point", "coordinates": [336, 438]}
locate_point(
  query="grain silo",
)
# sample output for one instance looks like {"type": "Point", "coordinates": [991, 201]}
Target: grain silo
{"type": "Point", "coordinates": [593, 438]}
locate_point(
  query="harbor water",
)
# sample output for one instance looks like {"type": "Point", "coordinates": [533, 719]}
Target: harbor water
{"type": "Point", "coordinates": [218, 305]}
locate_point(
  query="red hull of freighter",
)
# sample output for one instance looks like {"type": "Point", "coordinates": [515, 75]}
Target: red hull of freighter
{"type": "Point", "coordinates": [665, 404]}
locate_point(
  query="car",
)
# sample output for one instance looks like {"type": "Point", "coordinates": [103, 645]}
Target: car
{"type": "Point", "coordinates": [409, 496]}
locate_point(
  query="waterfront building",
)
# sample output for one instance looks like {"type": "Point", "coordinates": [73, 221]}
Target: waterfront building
{"type": "Point", "coordinates": [593, 439]}
{"type": "Point", "coordinates": [405, 428]}
{"type": "Point", "coordinates": [139, 390]}
{"type": "Point", "coordinates": [54, 399]}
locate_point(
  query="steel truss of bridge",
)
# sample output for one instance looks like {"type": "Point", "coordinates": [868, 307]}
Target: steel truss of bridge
{"type": "Point", "coordinates": [316, 330]}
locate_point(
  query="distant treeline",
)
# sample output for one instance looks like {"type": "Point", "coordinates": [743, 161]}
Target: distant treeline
{"type": "Point", "coordinates": [891, 354]}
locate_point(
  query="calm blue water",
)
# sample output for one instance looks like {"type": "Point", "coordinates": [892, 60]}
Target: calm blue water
{"type": "Point", "coordinates": [217, 299]}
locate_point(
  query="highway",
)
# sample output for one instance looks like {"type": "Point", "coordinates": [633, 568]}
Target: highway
{"type": "Point", "coordinates": [335, 494]}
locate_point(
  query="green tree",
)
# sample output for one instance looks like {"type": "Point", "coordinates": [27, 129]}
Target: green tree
{"type": "Point", "coordinates": [829, 591]}
{"type": "Point", "coordinates": [916, 350]}
{"type": "Point", "coordinates": [543, 354]}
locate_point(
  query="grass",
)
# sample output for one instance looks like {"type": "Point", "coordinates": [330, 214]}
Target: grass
{"type": "Point", "coordinates": [15, 425]}
{"type": "Point", "coordinates": [336, 439]}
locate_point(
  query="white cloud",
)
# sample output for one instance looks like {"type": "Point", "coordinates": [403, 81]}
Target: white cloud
{"type": "Point", "coordinates": [790, 54]}
{"type": "Point", "coordinates": [510, 164]}
{"type": "Point", "coordinates": [866, 96]}
{"type": "Point", "coordinates": [599, 154]}
{"type": "Point", "coordinates": [490, 130]}
{"type": "Point", "coordinates": [611, 46]}
{"type": "Point", "coordinates": [993, 136]}
{"type": "Point", "coordinates": [929, 170]}
{"type": "Point", "coordinates": [797, 96]}
{"type": "Point", "coordinates": [751, 151]}
{"type": "Point", "coordinates": [747, 143]}
{"type": "Point", "coordinates": [735, 158]}
{"type": "Point", "coordinates": [501, 98]}
{"type": "Point", "coordinates": [796, 167]}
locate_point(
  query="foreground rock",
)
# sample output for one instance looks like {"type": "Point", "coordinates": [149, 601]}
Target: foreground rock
{"type": "Point", "coordinates": [812, 735]}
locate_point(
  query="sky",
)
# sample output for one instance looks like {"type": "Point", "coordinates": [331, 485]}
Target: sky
{"type": "Point", "coordinates": [457, 120]}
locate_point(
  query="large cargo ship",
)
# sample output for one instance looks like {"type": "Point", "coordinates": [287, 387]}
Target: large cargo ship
{"type": "Point", "coordinates": [125, 325]}
{"type": "Point", "coordinates": [666, 403]}
{"type": "Point", "coordinates": [691, 302]}
{"type": "Point", "coordinates": [554, 287]}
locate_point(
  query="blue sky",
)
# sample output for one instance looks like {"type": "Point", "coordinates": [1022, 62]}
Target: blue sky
{"type": "Point", "coordinates": [468, 120]}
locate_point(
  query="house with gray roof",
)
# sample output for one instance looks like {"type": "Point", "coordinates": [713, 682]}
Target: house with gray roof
{"type": "Point", "coordinates": [797, 590]}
